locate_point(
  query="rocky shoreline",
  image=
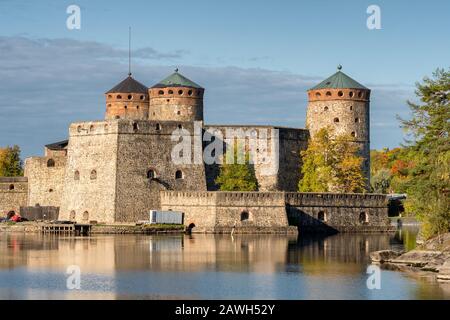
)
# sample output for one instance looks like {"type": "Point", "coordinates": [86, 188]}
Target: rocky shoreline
{"type": "Point", "coordinates": [433, 256]}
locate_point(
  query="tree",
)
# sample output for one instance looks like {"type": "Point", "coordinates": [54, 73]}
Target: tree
{"type": "Point", "coordinates": [381, 181]}
{"type": "Point", "coordinates": [429, 187]}
{"type": "Point", "coordinates": [236, 176]}
{"type": "Point", "coordinates": [331, 165]}
{"type": "Point", "coordinates": [10, 163]}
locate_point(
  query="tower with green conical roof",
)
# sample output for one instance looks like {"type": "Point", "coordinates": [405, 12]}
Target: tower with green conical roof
{"type": "Point", "coordinates": [176, 98]}
{"type": "Point", "coordinates": [343, 104]}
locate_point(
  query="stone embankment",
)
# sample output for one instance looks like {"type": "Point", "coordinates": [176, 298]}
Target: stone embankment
{"type": "Point", "coordinates": [432, 256]}
{"type": "Point", "coordinates": [35, 227]}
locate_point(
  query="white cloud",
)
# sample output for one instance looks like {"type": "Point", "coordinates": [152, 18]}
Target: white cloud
{"type": "Point", "coordinates": [46, 84]}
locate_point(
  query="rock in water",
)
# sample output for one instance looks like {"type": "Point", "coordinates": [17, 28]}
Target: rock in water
{"type": "Point", "coordinates": [384, 255]}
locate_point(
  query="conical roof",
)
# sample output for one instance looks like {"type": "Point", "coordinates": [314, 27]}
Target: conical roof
{"type": "Point", "coordinates": [176, 80]}
{"type": "Point", "coordinates": [339, 80]}
{"type": "Point", "coordinates": [129, 85]}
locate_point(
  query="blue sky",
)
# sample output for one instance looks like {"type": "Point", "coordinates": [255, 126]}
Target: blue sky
{"type": "Point", "coordinates": [256, 59]}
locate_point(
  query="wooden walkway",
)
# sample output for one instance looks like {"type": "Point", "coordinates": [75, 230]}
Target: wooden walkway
{"type": "Point", "coordinates": [66, 228]}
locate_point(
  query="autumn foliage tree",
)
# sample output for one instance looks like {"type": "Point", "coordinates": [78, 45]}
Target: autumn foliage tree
{"type": "Point", "coordinates": [331, 164]}
{"type": "Point", "coordinates": [10, 163]}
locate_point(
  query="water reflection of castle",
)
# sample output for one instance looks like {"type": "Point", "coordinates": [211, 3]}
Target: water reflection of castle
{"type": "Point", "coordinates": [250, 253]}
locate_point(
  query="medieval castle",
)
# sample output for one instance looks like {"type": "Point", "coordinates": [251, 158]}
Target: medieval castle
{"type": "Point", "coordinates": [117, 169]}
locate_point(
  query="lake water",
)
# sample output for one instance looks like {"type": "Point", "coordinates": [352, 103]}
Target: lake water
{"type": "Point", "coordinates": [34, 266]}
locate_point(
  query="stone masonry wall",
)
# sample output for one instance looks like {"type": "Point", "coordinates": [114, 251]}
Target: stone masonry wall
{"type": "Point", "coordinates": [348, 114]}
{"type": "Point", "coordinates": [266, 211]}
{"type": "Point", "coordinates": [13, 194]}
{"type": "Point", "coordinates": [90, 178]}
{"type": "Point", "coordinates": [341, 212]}
{"type": "Point", "coordinates": [148, 145]}
{"type": "Point", "coordinates": [276, 155]}
{"type": "Point", "coordinates": [45, 179]}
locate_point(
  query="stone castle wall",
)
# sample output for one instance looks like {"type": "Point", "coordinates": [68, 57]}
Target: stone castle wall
{"type": "Point", "coordinates": [176, 104]}
{"type": "Point", "coordinates": [147, 145]}
{"type": "Point", "coordinates": [277, 211]}
{"type": "Point", "coordinates": [276, 165]}
{"type": "Point", "coordinates": [346, 111]}
{"type": "Point", "coordinates": [341, 212]}
{"type": "Point", "coordinates": [127, 106]}
{"type": "Point", "coordinates": [90, 177]}
{"type": "Point", "coordinates": [45, 179]}
{"type": "Point", "coordinates": [13, 194]}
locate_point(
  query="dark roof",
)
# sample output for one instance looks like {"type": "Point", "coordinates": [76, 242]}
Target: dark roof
{"type": "Point", "coordinates": [60, 145]}
{"type": "Point", "coordinates": [176, 80]}
{"type": "Point", "coordinates": [129, 85]}
{"type": "Point", "coordinates": [339, 80]}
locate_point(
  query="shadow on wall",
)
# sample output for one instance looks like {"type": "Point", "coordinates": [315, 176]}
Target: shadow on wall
{"type": "Point", "coordinates": [306, 223]}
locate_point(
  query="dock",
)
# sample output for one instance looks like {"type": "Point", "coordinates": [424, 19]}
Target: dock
{"type": "Point", "coordinates": [66, 228]}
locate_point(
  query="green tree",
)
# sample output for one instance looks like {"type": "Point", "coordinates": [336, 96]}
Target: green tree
{"type": "Point", "coordinates": [235, 176]}
{"type": "Point", "coordinates": [331, 165]}
{"type": "Point", "coordinates": [429, 143]}
{"type": "Point", "coordinates": [10, 163]}
{"type": "Point", "coordinates": [381, 181]}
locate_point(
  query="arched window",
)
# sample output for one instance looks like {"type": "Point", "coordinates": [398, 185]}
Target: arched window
{"type": "Point", "coordinates": [321, 216]}
{"type": "Point", "coordinates": [76, 175]}
{"type": "Point", "coordinates": [340, 93]}
{"type": "Point", "coordinates": [328, 93]}
{"type": "Point", "coordinates": [11, 187]}
{"type": "Point", "coordinates": [318, 94]}
{"type": "Point", "coordinates": [130, 97]}
{"type": "Point", "coordinates": [170, 91]}
{"type": "Point", "coordinates": [326, 108]}
{"type": "Point", "coordinates": [50, 163]}
{"type": "Point", "coordinates": [142, 97]}
{"type": "Point", "coordinates": [190, 92]}
{"type": "Point", "coordinates": [245, 215]}
{"type": "Point", "coordinates": [351, 108]}
{"type": "Point", "coordinates": [160, 92]}
{"type": "Point", "coordinates": [135, 127]}
{"type": "Point", "coordinates": [353, 134]}
{"type": "Point", "coordinates": [85, 216]}
{"type": "Point", "coordinates": [356, 120]}
{"type": "Point", "coordinates": [151, 174]}
{"type": "Point", "coordinates": [180, 92]}
{"type": "Point", "coordinates": [93, 175]}
{"type": "Point", "coordinates": [180, 126]}
{"type": "Point", "coordinates": [351, 94]}
{"type": "Point", "coordinates": [119, 96]}
{"type": "Point", "coordinates": [336, 120]}
{"type": "Point", "coordinates": [158, 126]}
{"type": "Point", "coordinates": [363, 217]}
{"type": "Point", "coordinates": [72, 215]}
{"type": "Point", "coordinates": [179, 175]}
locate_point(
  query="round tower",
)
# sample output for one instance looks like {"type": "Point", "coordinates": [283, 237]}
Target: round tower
{"type": "Point", "coordinates": [343, 104]}
{"type": "Point", "coordinates": [127, 100]}
{"type": "Point", "coordinates": [176, 98]}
